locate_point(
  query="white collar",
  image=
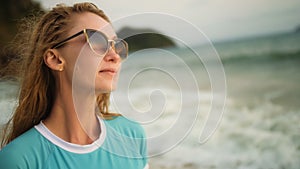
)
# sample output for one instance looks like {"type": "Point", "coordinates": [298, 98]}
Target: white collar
{"type": "Point", "coordinates": [74, 148]}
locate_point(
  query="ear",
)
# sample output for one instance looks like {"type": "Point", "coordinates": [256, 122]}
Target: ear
{"type": "Point", "coordinates": [53, 60]}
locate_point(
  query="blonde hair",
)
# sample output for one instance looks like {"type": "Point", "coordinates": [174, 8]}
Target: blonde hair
{"type": "Point", "coordinates": [37, 87]}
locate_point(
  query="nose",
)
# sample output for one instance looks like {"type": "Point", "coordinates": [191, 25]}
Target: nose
{"type": "Point", "coordinates": [111, 55]}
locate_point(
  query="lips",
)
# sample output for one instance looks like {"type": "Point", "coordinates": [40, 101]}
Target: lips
{"type": "Point", "coordinates": [108, 70]}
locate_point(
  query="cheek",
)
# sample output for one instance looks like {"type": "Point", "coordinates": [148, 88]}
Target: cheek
{"type": "Point", "coordinates": [86, 68]}
{"type": "Point", "coordinates": [82, 66]}
{"type": "Point", "coordinates": [86, 60]}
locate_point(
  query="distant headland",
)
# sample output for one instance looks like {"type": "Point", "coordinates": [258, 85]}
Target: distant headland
{"type": "Point", "coordinates": [297, 29]}
{"type": "Point", "coordinates": [141, 38]}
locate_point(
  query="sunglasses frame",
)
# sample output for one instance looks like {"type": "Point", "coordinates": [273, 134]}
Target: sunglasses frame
{"type": "Point", "coordinates": [111, 43]}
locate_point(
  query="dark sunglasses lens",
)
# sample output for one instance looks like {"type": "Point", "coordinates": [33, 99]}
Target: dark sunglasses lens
{"type": "Point", "coordinates": [98, 42]}
{"type": "Point", "coordinates": [121, 48]}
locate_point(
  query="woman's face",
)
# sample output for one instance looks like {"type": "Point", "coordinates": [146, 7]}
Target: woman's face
{"type": "Point", "coordinates": [84, 69]}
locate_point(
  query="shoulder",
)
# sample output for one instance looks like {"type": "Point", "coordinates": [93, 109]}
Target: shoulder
{"type": "Point", "coordinates": [22, 151]}
{"type": "Point", "coordinates": [126, 126]}
{"type": "Point", "coordinates": [125, 138]}
{"type": "Point", "coordinates": [21, 144]}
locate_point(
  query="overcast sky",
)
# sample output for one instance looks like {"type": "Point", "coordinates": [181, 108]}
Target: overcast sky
{"type": "Point", "coordinates": [218, 19]}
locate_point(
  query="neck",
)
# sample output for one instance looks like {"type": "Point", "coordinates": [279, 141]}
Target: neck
{"type": "Point", "coordinates": [74, 120]}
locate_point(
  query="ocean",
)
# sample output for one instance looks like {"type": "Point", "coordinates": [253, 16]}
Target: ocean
{"type": "Point", "coordinates": [171, 93]}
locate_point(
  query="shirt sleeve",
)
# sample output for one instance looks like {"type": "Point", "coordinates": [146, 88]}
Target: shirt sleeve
{"type": "Point", "coordinates": [9, 159]}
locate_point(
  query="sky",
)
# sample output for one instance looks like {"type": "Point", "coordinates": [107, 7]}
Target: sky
{"type": "Point", "coordinates": [219, 20]}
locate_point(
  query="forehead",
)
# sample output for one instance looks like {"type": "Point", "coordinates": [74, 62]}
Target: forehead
{"type": "Point", "coordinates": [90, 20]}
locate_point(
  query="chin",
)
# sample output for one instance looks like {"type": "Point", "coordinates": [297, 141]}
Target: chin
{"type": "Point", "coordinates": [105, 89]}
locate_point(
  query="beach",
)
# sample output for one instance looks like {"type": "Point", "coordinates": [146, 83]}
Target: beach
{"type": "Point", "coordinates": [259, 127]}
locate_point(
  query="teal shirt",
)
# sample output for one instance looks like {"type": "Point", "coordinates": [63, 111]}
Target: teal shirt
{"type": "Point", "coordinates": [121, 144]}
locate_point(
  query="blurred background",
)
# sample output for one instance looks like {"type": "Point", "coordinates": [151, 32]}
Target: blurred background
{"type": "Point", "coordinates": [258, 43]}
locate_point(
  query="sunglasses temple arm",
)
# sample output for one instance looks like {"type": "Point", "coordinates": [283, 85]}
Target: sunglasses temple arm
{"type": "Point", "coordinates": [69, 38]}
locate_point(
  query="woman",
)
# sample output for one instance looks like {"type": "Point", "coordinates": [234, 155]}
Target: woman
{"type": "Point", "coordinates": [62, 118]}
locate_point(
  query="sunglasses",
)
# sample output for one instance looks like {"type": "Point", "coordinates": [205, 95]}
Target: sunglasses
{"type": "Point", "coordinates": [99, 43]}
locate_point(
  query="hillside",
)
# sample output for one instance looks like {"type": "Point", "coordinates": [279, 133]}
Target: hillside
{"type": "Point", "coordinates": [144, 38]}
{"type": "Point", "coordinates": [12, 12]}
